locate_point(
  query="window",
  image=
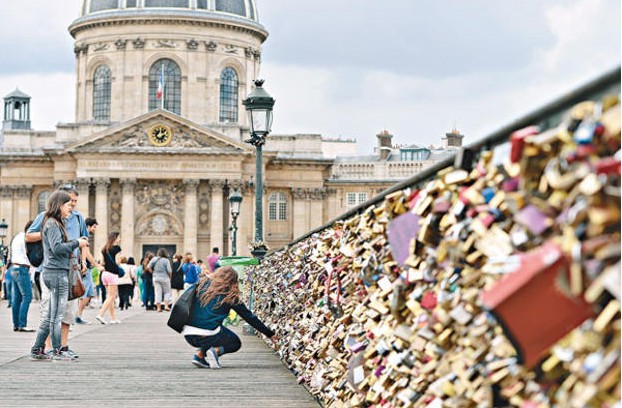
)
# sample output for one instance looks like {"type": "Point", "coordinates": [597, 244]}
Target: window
{"type": "Point", "coordinates": [100, 5]}
{"type": "Point", "coordinates": [277, 207]}
{"type": "Point", "coordinates": [170, 97]}
{"type": "Point", "coordinates": [42, 201]}
{"type": "Point", "coordinates": [101, 93]}
{"type": "Point", "coordinates": [354, 199]}
{"type": "Point", "coordinates": [166, 3]}
{"type": "Point", "coordinates": [228, 96]}
{"type": "Point", "coordinates": [202, 4]}
{"type": "Point", "coordinates": [231, 6]}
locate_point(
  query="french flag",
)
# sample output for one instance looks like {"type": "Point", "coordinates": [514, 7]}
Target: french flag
{"type": "Point", "coordinates": [160, 84]}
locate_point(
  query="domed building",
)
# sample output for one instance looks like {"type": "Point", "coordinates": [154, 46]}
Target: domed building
{"type": "Point", "coordinates": [158, 144]}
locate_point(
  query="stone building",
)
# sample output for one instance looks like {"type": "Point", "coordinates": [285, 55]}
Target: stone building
{"type": "Point", "coordinates": [158, 138]}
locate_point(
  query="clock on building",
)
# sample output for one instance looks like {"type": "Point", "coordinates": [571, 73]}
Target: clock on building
{"type": "Point", "coordinates": [160, 135]}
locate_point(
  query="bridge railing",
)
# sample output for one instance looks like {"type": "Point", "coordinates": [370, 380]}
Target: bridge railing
{"type": "Point", "coordinates": [490, 279]}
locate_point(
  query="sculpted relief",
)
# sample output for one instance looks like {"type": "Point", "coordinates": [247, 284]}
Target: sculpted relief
{"type": "Point", "coordinates": [159, 208]}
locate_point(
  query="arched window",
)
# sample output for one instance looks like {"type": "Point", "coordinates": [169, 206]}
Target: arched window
{"type": "Point", "coordinates": [165, 86]}
{"type": "Point", "coordinates": [101, 93]}
{"type": "Point", "coordinates": [228, 96]}
{"type": "Point", "coordinates": [277, 207]}
{"type": "Point", "coordinates": [42, 200]}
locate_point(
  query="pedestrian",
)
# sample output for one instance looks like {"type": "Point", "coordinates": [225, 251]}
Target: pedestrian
{"type": "Point", "coordinates": [76, 228]}
{"type": "Point", "coordinates": [8, 284]}
{"type": "Point", "coordinates": [21, 291]}
{"type": "Point", "coordinates": [57, 249]}
{"type": "Point", "coordinates": [177, 278]}
{"type": "Point", "coordinates": [125, 283]}
{"type": "Point", "coordinates": [87, 277]}
{"type": "Point", "coordinates": [111, 253]}
{"type": "Point", "coordinates": [212, 260]}
{"type": "Point", "coordinates": [191, 271]}
{"type": "Point", "coordinates": [148, 292]}
{"type": "Point", "coordinates": [216, 294]}
{"type": "Point", "coordinates": [162, 271]}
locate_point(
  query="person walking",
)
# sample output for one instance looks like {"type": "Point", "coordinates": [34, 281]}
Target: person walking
{"type": "Point", "coordinates": [126, 283]}
{"type": "Point", "coordinates": [19, 268]}
{"type": "Point", "coordinates": [110, 277]}
{"type": "Point", "coordinates": [161, 267]}
{"type": "Point", "coordinates": [57, 250]}
{"type": "Point", "coordinates": [216, 294]}
{"type": "Point", "coordinates": [177, 278]}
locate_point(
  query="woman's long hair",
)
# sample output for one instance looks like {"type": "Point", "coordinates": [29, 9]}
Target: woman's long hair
{"type": "Point", "coordinates": [112, 237]}
{"type": "Point", "coordinates": [56, 200]}
{"type": "Point", "coordinates": [222, 282]}
{"type": "Point", "coordinates": [188, 257]}
{"type": "Point", "coordinates": [146, 260]}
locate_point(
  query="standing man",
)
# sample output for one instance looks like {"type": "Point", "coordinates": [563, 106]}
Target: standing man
{"type": "Point", "coordinates": [21, 293]}
{"type": "Point", "coordinates": [76, 228]}
{"type": "Point", "coordinates": [212, 260]}
{"type": "Point", "coordinates": [87, 279]}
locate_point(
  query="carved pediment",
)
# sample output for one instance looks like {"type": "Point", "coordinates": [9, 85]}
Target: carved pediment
{"type": "Point", "coordinates": [134, 136]}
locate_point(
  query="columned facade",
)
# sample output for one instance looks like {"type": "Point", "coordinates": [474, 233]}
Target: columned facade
{"type": "Point", "coordinates": [101, 214]}
{"type": "Point", "coordinates": [191, 216]}
{"type": "Point", "coordinates": [217, 226]}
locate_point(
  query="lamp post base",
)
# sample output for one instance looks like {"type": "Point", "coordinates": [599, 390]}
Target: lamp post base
{"type": "Point", "coordinates": [259, 252]}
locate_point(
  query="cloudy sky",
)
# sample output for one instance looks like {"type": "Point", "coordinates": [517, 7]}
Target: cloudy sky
{"type": "Point", "coordinates": [351, 68]}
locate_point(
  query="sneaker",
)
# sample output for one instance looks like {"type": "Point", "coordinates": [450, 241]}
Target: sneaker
{"type": "Point", "coordinates": [39, 355]}
{"type": "Point", "coordinates": [62, 356]}
{"type": "Point", "coordinates": [212, 358]}
{"type": "Point", "coordinates": [79, 320]}
{"type": "Point", "coordinates": [26, 330]}
{"type": "Point", "coordinates": [115, 321]}
{"type": "Point", "coordinates": [69, 352]}
{"type": "Point", "coordinates": [199, 362]}
{"type": "Point", "coordinates": [100, 319]}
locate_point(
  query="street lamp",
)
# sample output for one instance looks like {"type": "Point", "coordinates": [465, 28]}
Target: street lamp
{"type": "Point", "coordinates": [3, 230]}
{"type": "Point", "coordinates": [235, 200]}
{"type": "Point", "coordinates": [259, 107]}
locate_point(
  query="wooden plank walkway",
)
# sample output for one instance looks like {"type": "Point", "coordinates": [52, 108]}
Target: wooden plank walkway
{"type": "Point", "coordinates": [140, 363]}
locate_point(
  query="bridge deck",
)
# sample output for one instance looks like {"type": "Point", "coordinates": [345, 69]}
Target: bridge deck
{"type": "Point", "coordinates": [140, 362]}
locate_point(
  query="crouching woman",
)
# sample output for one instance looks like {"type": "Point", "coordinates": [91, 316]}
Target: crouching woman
{"type": "Point", "coordinates": [216, 295]}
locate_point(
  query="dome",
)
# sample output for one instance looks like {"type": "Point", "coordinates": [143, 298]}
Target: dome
{"type": "Point", "coordinates": [238, 12]}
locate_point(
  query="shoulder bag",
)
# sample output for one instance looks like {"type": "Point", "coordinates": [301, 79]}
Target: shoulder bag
{"type": "Point", "coordinates": [182, 309]}
{"type": "Point", "coordinates": [120, 271]}
{"type": "Point", "coordinates": [76, 287]}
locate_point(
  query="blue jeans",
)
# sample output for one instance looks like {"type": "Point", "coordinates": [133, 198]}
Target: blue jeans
{"type": "Point", "coordinates": [226, 339]}
{"type": "Point", "coordinates": [21, 294]}
{"type": "Point", "coordinates": [57, 281]}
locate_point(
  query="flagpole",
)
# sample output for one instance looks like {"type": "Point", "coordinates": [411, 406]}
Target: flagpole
{"type": "Point", "coordinates": [162, 79]}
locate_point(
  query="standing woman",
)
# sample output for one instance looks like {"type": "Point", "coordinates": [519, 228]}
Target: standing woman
{"type": "Point", "coordinates": [177, 280]}
{"type": "Point", "coordinates": [110, 277]}
{"type": "Point", "coordinates": [161, 267]}
{"type": "Point", "coordinates": [216, 294]}
{"type": "Point", "coordinates": [148, 294]}
{"type": "Point", "coordinates": [57, 249]}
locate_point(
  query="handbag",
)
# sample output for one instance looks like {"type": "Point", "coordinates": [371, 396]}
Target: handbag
{"type": "Point", "coordinates": [120, 271]}
{"type": "Point", "coordinates": [180, 313]}
{"type": "Point", "coordinates": [76, 287]}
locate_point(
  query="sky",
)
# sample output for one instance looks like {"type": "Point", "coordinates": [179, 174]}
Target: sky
{"type": "Point", "coordinates": [352, 68]}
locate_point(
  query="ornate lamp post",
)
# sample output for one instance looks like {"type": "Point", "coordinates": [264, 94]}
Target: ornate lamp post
{"type": "Point", "coordinates": [259, 107]}
{"type": "Point", "coordinates": [3, 230]}
{"type": "Point", "coordinates": [235, 200]}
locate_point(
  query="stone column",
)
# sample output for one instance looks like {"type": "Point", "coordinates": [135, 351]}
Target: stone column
{"type": "Point", "coordinates": [216, 222]}
{"type": "Point", "coordinates": [6, 210]}
{"type": "Point", "coordinates": [300, 213]}
{"type": "Point", "coordinates": [191, 217]}
{"type": "Point", "coordinates": [316, 213]}
{"type": "Point", "coordinates": [127, 215]}
{"type": "Point", "coordinates": [21, 213]}
{"type": "Point", "coordinates": [332, 205]}
{"type": "Point", "coordinates": [101, 214]}
{"type": "Point", "coordinates": [82, 185]}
